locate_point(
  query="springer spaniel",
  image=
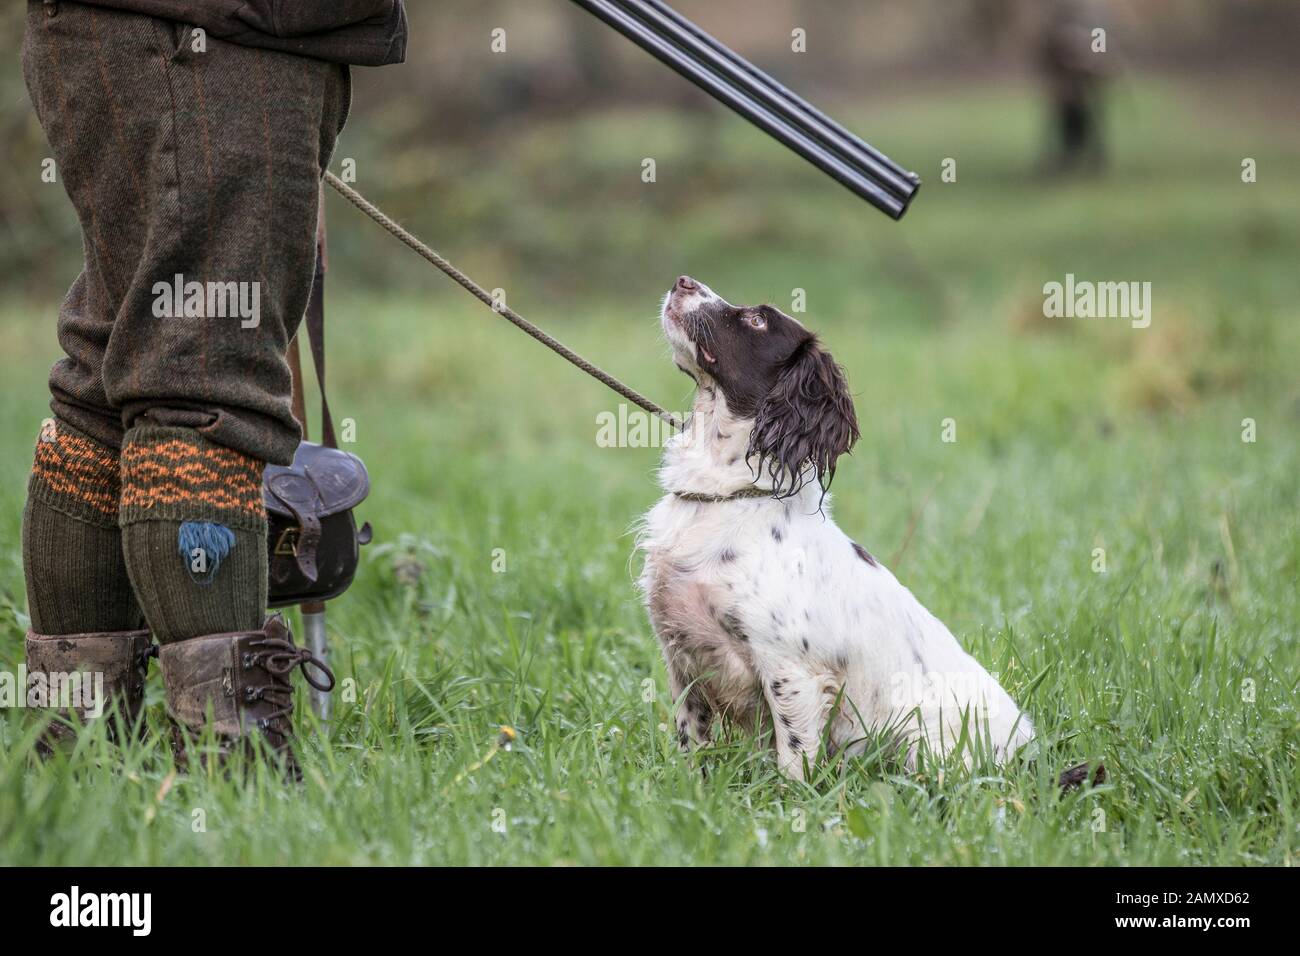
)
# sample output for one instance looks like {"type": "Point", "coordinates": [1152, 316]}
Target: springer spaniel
{"type": "Point", "coordinates": [757, 597]}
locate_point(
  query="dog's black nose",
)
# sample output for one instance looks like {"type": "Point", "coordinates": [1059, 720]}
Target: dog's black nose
{"type": "Point", "coordinates": [687, 284]}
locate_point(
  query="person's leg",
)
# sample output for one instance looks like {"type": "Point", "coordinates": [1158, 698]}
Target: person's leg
{"type": "Point", "coordinates": [84, 615]}
{"type": "Point", "coordinates": [196, 360]}
{"type": "Point", "coordinates": [210, 162]}
{"type": "Point", "coordinates": [72, 547]}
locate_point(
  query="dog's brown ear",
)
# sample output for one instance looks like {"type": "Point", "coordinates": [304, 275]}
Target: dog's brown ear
{"type": "Point", "coordinates": [805, 423]}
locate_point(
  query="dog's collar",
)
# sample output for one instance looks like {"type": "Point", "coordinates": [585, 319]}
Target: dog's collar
{"type": "Point", "coordinates": [742, 493]}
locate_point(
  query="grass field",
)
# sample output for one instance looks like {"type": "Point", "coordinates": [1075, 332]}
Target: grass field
{"type": "Point", "coordinates": [1178, 665]}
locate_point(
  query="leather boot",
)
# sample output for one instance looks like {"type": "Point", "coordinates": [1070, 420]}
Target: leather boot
{"type": "Point", "coordinates": [110, 671]}
{"type": "Point", "coordinates": [243, 677]}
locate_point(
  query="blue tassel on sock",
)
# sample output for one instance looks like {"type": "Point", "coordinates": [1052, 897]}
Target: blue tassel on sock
{"type": "Point", "coordinates": [214, 540]}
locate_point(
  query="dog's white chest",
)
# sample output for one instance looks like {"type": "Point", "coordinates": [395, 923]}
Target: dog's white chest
{"type": "Point", "coordinates": [793, 582]}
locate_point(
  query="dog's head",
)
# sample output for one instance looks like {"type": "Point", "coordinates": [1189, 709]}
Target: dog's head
{"type": "Point", "coordinates": [770, 370]}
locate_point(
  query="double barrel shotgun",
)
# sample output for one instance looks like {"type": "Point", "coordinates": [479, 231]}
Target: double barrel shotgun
{"type": "Point", "coordinates": [678, 43]}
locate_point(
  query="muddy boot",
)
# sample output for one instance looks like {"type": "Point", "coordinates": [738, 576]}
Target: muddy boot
{"type": "Point", "coordinates": [95, 675]}
{"type": "Point", "coordinates": [243, 677]}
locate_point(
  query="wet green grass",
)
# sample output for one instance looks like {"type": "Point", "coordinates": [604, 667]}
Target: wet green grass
{"type": "Point", "coordinates": [500, 587]}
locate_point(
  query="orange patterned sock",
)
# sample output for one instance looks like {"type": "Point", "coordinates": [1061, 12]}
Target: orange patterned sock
{"type": "Point", "coordinates": [194, 533]}
{"type": "Point", "coordinates": [72, 547]}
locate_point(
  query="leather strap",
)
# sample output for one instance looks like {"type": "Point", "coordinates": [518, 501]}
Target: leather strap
{"type": "Point", "coordinates": [298, 401]}
{"type": "Point", "coordinates": [289, 489]}
{"type": "Point", "coordinates": [316, 325]}
{"type": "Point", "coordinates": [299, 495]}
{"type": "Point", "coordinates": [315, 322]}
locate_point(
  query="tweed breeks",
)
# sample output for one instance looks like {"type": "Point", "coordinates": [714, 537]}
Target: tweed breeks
{"type": "Point", "coordinates": [194, 166]}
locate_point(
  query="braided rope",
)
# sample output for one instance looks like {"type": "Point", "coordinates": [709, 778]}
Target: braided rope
{"type": "Point", "coordinates": [474, 289]}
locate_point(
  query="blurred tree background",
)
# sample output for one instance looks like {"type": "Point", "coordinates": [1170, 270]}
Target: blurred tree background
{"type": "Point", "coordinates": [489, 154]}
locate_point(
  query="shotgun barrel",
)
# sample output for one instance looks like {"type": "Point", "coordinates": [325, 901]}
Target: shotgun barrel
{"type": "Point", "coordinates": [901, 181]}
{"type": "Point", "coordinates": [757, 98]}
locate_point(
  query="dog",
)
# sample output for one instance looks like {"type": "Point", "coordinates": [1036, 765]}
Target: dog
{"type": "Point", "coordinates": [758, 599]}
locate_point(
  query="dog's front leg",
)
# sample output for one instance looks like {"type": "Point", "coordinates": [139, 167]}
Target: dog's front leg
{"type": "Point", "coordinates": [799, 708]}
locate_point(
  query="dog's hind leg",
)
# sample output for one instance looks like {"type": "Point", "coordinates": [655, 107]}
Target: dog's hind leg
{"type": "Point", "coordinates": [694, 714]}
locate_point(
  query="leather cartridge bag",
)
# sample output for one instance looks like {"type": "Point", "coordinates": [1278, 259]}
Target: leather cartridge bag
{"type": "Point", "coordinates": [313, 539]}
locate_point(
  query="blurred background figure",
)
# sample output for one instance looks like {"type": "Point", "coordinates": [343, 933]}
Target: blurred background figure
{"type": "Point", "coordinates": [1076, 57]}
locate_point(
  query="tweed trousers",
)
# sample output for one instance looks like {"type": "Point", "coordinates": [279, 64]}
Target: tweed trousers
{"type": "Point", "coordinates": [194, 166]}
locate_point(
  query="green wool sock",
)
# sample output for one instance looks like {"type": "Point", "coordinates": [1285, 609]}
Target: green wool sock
{"type": "Point", "coordinates": [194, 533]}
{"type": "Point", "coordinates": [76, 576]}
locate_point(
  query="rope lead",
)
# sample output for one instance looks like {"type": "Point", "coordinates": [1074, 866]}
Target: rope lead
{"type": "Point", "coordinates": [474, 289]}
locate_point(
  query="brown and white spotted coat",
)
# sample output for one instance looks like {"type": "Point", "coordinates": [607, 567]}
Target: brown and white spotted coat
{"type": "Point", "coordinates": [761, 603]}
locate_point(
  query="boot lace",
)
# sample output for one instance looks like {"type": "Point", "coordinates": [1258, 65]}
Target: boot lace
{"type": "Point", "coordinates": [278, 658]}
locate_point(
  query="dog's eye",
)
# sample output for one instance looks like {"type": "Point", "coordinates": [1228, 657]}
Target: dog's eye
{"type": "Point", "coordinates": [756, 320]}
